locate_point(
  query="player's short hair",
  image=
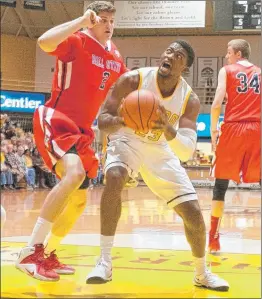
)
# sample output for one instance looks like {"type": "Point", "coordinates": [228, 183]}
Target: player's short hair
{"type": "Point", "coordinates": [240, 45]}
{"type": "Point", "coordinates": [102, 6]}
{"type": "Point", "coordinates": [190, 52]}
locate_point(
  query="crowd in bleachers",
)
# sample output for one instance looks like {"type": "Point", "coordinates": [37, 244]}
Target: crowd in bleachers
{"type": "Point", "coordinates": [21, 165]}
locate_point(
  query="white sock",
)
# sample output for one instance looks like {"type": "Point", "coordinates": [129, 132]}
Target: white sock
{"type": "Point", "coordinates": [40, 231]}
{"type": "Point", "coordinates": [106, 243]}
{"type": "Point", "coordinates": [200, 265]}
{"type": "Point", "coordinates": [52, 242]}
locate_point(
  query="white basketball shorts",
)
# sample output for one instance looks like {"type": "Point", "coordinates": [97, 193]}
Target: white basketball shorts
{"type": "Point", "coordinates": [158, 165]}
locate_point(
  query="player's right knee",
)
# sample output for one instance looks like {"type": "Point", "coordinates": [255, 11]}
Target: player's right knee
{"type": "Point", "coordinates": [76, 176]}
{"type": "Point", "coordinates": [116, 177]}
{"type": "Point", "coordinates": [220, 189]}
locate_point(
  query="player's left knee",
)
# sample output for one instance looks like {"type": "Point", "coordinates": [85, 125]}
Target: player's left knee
{"type": "Point", "coordinates": [192, 216]}
{"type": "Point", "coordinates": [220, 189]}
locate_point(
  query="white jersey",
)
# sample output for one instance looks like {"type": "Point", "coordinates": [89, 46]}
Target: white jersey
{"type": "Point", "coordinates": [175, 105]}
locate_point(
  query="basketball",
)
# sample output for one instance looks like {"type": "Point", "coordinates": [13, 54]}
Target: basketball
{"type": "Point", "coordinates": [139, 109]}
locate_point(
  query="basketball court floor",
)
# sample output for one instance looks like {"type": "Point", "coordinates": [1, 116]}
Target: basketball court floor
{"type": "Point", "coordinates": [151, 258]}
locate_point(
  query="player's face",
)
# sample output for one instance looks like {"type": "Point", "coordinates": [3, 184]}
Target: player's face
{"type": "Point", "coordinates": [104, 30]}
{"type": "Point", "coordinates": [173, 61]}
{"type": "Point", "coordinates": [231, 56]}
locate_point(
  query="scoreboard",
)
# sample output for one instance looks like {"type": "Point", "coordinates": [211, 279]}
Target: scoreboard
{"type": "Point", "coordinates": [246, 15]}
{"type": "Point", "coordinates": [237, 15]}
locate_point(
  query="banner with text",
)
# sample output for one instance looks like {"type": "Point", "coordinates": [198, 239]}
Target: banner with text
{"type": "Point", "coordinates": [19, 101]}
{"type": "Point", "coordinates": [154, 61]}
{"type": "Point", "coordinates": [10, 3]}
{"type": "Point", "coordinates": [34, 4]}
{"type": "Point", "coordinates": [160, 14]}
{"type": "Point", "coordinates": [207, 68]}
{"type": "Point", "coordinates": [134, 63]}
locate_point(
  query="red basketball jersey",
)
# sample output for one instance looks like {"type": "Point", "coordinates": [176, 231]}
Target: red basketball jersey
{"type": "Point", "coordinates": [243, 93]}
{"type": "Point", "coordinates": [85, 71]}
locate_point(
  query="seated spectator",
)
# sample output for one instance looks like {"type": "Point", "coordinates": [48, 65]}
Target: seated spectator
{"type": "Point", "coordinates": [19, 131]}
{"type": "Point", "coordinates": [2, 136]}
{"type": "Point", "coordinates": [14, 140]}
{"type": "Point", "coordinates": [6, 174]}
{"type": "Point", "coordinates": [20, 141]}
{"type": "Point", "coordinates": [30, 171]}
{"type": "Point", "coordinates": [22, 165]}
{"type": "Point", "coordinates": [8, 128]}
{"type": "Point", "coordinates": [29, 144]}
{"type": "Point", "coordinates": [40, 169]}
{"type": "Point", "coordinates": [15, 165]}
{"type": "Point", "coordinates": [4, 142]}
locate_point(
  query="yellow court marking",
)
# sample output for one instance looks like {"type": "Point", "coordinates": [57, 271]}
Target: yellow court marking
{"type": "Point", "coordinates": [136, 273]}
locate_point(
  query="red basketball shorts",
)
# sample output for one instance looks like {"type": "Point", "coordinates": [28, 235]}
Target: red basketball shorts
{"type": "Point", "coordinates": [238, 153]}
{"type": "Point", "coordinates": [55, 134]}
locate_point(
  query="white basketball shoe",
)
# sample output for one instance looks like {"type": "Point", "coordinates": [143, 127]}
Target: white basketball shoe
{"type": "Point", "coordinates": [101, 273]}
{"type": "Point", "coordinates": [211, 281]}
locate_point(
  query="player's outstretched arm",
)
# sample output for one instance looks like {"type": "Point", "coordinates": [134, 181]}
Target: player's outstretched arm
{"type": "Point", "coordinates": [49, 41]}
{"type": "Point", "coordinates": [109, 119]}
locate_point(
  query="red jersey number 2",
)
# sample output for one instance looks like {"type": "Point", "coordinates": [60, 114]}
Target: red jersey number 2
{"type": "Point", "coordinates": [105, 78]}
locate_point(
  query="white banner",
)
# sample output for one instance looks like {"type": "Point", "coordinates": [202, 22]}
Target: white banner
{"type": "Point", "coordinates": [160, 14]}
{"type": "Point", "coordinates": [188, 75]}
{"type": "Point", "coordinates": [154, 61]}
{"type": "Point", "coordinates": [133, 63]}
{"type": "Point", "coordinates": [207, 69]}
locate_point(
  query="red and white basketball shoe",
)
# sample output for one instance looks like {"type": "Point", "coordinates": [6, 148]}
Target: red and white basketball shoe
{"type": "Point", "coordinates": [32, 261]}
{"type": "Point", "coordinates": [58, 267]}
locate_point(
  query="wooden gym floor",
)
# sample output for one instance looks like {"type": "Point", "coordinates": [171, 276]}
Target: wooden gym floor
{"type": "Point", "coordinates": [151, 257]}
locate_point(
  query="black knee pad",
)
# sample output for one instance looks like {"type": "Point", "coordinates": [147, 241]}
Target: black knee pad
{"type": "Point", "coordinates": [85, 183]}
{"type": "Point", "coordinates": [220, 189]}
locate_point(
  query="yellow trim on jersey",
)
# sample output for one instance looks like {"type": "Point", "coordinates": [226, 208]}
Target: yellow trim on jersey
{"type": "Point", "coordinates": [159, 92]}
{"type": "Point", "coordinates": [185, 102]}
{"type": "Point", "coordinates": [140, 79]}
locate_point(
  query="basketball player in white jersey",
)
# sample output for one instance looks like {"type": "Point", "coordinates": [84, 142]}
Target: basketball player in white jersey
{"type": "Point", "coordinates": [156, 156]}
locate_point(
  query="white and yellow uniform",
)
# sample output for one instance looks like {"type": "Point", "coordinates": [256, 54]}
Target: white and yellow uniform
{"type": "Point", "coordinates": [150, 153]}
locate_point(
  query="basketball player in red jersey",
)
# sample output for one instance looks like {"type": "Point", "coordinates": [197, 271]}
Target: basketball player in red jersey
{"type": "Point", "coordinates": [237, 149]}
{"type": "Point", "coordinates": [87, 65]}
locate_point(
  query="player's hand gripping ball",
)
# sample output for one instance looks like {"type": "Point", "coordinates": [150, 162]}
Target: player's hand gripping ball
{"type": "Point", "coordinates": [139, 110]}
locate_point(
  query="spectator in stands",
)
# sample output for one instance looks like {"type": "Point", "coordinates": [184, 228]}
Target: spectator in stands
{"type": "Point", "coordinates": [30, 171]}
{"type": "Point", "coordinates": [19, 131]}
{"type": "Point", "coordinates": [20, 141]}
{"type": "Point", "coordinates": [4, 142]}
{"type": "Point", "coordinates": [2, 136]}
{"type": "Point", "coordinates": [6, 174]}
{"type": "Point", "coordinates": [40, 169]}
{"type": "Point", "coordinates": [8, 128]}
{"type": "Point", "coordinates": [14, 164]}
{"type": "Point", "coordinates": [3, 118]}
{"type": "Point", "coordinates": [14, 140]}
{"type": "Point", "coordinates": [29, 144]}
{"type": "Point", "coordinates": [22, 165]}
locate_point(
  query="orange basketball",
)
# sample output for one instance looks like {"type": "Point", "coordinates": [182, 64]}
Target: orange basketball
{"type": "Point", "coordinates": [139, 109]}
